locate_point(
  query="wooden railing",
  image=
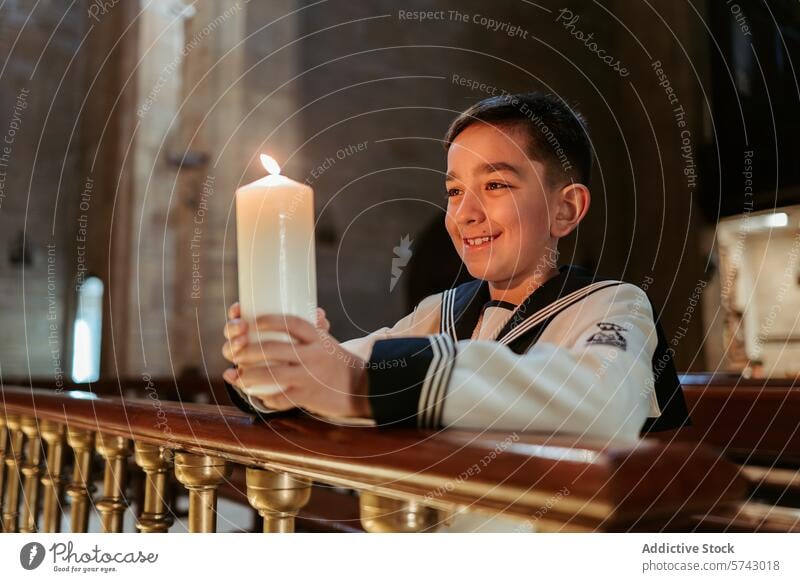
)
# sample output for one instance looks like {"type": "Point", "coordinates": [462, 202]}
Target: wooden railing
{"type": "Point", "coordinates": [407, 480]}
{"type": "Point", "coordinates": [754, 423]}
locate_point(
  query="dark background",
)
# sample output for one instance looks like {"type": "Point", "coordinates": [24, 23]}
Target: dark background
{"type": "Point", "coordinates": [310, 79]}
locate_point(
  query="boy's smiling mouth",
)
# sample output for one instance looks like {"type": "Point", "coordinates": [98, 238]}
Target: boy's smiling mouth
{"type": "Point", "coordinates": [479, 242]}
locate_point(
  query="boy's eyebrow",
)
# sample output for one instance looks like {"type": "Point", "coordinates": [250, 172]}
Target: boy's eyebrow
{"type": "Point", "coordinates": [488, 168]}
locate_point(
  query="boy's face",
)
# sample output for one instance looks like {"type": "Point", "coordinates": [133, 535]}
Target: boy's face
{"type": "Point", "coordinates": [495, 190]}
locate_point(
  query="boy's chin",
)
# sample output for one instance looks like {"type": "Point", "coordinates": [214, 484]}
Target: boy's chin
{"type": "Point", "coordinates": [486, 272]}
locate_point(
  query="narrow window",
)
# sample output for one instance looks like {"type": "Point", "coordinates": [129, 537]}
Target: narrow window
{"type": "Point", "coordinates": [87, 332]}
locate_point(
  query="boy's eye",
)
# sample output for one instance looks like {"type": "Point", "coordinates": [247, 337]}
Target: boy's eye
{"type": "Point", "coordinates": [453, 192]}
{"type": "Point", "coordinates": [496, 185]}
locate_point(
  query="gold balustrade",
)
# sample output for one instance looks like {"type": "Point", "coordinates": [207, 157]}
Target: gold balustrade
{"type": "Point", "coordinates": [154, 517]}
{"type": "Point", "coordinates": [409, 481]}
{"type": "Point", "coordinates": [13, 473]}
{"type": "Point", "coordinates": [54, 435]}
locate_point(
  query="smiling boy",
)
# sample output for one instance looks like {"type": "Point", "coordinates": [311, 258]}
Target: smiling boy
{"type": "Point", "coordinates": [526, 345]}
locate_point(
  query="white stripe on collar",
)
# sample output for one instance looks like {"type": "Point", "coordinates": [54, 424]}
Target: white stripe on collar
{"type": "Point", "coordinates": [545, 312]}
{"type": "Point", "coordinates": [451, 319]}
{"type": "Point", "coordinates": [444, 312]}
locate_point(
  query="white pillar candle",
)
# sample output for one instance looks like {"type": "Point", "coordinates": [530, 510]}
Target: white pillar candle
{"type": "Point", "coordinates": [276, 259]}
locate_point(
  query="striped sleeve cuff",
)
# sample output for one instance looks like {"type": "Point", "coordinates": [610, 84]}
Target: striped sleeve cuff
{"type": "Point", "coordinates": [408, 380]}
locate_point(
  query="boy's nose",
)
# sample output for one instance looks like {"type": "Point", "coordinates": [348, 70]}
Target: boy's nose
{"type": "Point", "coordinates": [470, 210]}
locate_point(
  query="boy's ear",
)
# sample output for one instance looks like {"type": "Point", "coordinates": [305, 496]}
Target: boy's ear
{"type": "Point", "coordinates": [571, 205]}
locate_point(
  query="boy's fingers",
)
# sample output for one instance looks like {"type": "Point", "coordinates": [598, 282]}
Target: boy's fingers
{"type": "Point", "coordinates": [231, 376]}
{"type": "Point", "coordinates": [281, 375]}
{"type": "Point", "coordinates": [265, 353]}
{"type": "Point", "coordinates": [232, 347]}
{"type": "Point", "coordinates": [234, 328]}
{"type": "Point", "coordinates": [234, 311]}
{"type": "Point", "coordinates": [322, 320]}
{"type": "Point", "coordinates": [297, 327]}
{"type": "Point", "coordinates": [278, 401]}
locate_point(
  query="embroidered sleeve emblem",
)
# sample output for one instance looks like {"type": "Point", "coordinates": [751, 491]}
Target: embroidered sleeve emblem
{"type": "Point", "coordinates": [610, 334]}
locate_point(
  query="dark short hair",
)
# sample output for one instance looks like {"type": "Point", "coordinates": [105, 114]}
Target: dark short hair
{"type": "Point", "coordinates": [558, 134]}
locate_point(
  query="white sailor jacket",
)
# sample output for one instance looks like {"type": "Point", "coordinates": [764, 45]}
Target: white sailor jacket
{"type": "Point", "coordinates": [580, 355]}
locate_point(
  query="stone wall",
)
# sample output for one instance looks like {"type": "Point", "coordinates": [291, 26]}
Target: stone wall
{"type": "Point", "coordinates": [352, 97]}
{"type": "Point", "coordinates": [40, 96]}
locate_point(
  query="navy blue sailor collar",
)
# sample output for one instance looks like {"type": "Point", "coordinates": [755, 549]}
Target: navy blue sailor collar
{"type": "Point", "coordinates": [462, 307]}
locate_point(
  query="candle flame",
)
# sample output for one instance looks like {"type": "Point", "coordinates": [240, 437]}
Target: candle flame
{"type": "Point", "coordinates": [270, 164]}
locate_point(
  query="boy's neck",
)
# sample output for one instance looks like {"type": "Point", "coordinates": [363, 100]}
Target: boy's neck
{"type": "Point", "coordinates": [516, 290]}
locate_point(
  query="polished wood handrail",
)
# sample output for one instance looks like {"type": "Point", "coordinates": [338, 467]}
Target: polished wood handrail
{"type": "Point", "coordinates": [565, 482]}
{"type": "Point", "coordinates": [735, 381]}
{"type": "Point", "coordinates": [185, 388]}
{"type": "Point", "coordinates": [755, 423]}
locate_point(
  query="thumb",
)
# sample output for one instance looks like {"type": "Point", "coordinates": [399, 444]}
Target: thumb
{"type": "Point", "coordinates": [322, 320]}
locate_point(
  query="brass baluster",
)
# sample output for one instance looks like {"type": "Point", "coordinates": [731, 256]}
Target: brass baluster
{"type": "Point", "coordinates": [277, 497]}
{"type": "Point", "coordinates": [115, 450]}
{"type": "Point", "coordinates": [384, 515]}
{"type": "Point", "coordinates": [3, 445]}
{"type": "Point", "coordinates": [31, 470]}
{"type": "Point", "coordinates": [52, 482]}
{"type": "Point", "coordinates": [13, 474]}
{"type": "Point", "coordinates": [201, 475]}
{"type": "Point", "coordinates": [154, 517]}
{"type": "Point", "coordinates": [81, 487]}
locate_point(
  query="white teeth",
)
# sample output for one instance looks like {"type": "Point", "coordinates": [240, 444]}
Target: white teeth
{"type": "Point", "coordinates": [478, 241]}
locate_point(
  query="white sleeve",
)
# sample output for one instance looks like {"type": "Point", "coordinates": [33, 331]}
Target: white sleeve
{"type": "Point", "coordinates": [579, 378]}
{"type": "Point", "coordinates": [423, 320]}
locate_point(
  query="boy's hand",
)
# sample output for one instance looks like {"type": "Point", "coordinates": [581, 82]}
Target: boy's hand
{"type": "Point", "coordinates": [235, 331]}
{"type": "Point", "coordinates": [314, 371]}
